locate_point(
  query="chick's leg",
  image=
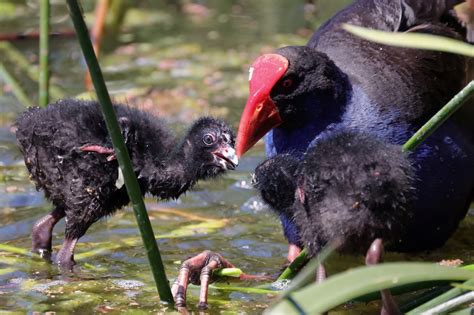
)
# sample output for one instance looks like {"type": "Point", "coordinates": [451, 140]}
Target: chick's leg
{"type": "Point", "coordinates": [42, 232]}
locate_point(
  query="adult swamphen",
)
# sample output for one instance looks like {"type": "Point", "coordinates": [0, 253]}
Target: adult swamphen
{"type": "Point", "coordinates": [300, 95]}
{"type": "Point", "coordinates": [69, 155]}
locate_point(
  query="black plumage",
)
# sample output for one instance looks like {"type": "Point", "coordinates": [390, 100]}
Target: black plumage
{"type": "Point", "coordinates": [351, 189]}
{"type": "Point", "coordinates": [275, 180]}
{"type": "Point", "coordinates": [69, 155]}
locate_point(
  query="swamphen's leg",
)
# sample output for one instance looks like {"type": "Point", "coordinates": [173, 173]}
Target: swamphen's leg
{"type": "Point", "coordinates": [41, 234]}
{"type": "Point", "coordinates": [293, 252]}
{"type": "Point", "coordinates": [374, 256]}
{"type": "Point", "coordinates": [321, 274]}
{"type": "Point", "coordinates": [202, 264]}
{"type": "Point", "coordinates": [198, 270]}
{"type": "Point", "coordinates": [206, 273]}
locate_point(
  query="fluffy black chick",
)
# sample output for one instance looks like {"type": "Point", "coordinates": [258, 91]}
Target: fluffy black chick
{"type": "Point", "coordinates": [275, 180]}
{"type": "Point", "coordinates": [350, 188]}
{"type": "Point", "coordinates": [69, 155]}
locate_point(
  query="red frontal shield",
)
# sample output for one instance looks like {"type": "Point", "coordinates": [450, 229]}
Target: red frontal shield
{"type": "Point", "coordinates": [260, 114]}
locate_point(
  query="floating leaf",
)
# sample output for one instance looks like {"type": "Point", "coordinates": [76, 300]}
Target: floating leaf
{"type": "Point", "coordinates": [227, 272]}
{"type": "Point", "coordinates": [250, 290]}
{"type": "Point", "coordinates": [206, 227]}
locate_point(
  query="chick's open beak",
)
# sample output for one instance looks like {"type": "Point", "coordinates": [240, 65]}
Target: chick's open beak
{"type": "Point", "coordinates": [226, 157]}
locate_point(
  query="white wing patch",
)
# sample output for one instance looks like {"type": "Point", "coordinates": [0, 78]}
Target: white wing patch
{"type": "Point", "coordinates": [120, 181]}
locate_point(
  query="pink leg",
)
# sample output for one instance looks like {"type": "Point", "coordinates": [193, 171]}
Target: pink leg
{"type": "Point", "coordinates": [321, 274]}
{"type": "Point", "coordinates": [202, 264]}
{"type": "Point", "coordinates": [181, 285]}
{"type": "Point", "coordinates": [293, 252]}
{"type": "Point", "coordinates": [374, 256]}
{"type": "Point", "coordinates": [198, 270]}
{"type": "Point", "coordinates": [206, 274]}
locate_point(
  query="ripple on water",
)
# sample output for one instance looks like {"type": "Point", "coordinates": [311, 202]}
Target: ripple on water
{"type": "Point", "coordinates": [254, 205]}
{"type": "Point", "coordinates": [280, 284]}
{"type": "Point", "coordinates": [45, 287]}
{"type": "Point", "coordinates": [128, 284]}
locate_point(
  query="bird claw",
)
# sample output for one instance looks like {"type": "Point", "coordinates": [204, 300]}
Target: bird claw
{"type": "Point", "coordinates": [197, 270]}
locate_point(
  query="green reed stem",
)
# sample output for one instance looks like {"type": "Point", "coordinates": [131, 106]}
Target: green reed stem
{"type": "Point", "coordinates": [44, 54]}
{"type": "Point", "coordinates": [15, 86]}
{"type": "Point", "coordinates": [440, 117]}
{"type": "Point", "coordinates": [451, 294]}
{"type": "Point", "coordinates": [295, 266]}
{"type": "Point", "coordinates": [14, 56]}
{"type": "Point", "coordinates": [131, 183]}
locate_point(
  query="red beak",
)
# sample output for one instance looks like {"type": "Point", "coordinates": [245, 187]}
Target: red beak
{"type": "Point", "coordinates": [260, 114]}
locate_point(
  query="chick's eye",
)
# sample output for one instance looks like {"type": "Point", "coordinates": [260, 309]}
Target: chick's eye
{"type": "Point", "coordinates": [208, 139]}
{"type": "Point", "coordinates": [287, 83]}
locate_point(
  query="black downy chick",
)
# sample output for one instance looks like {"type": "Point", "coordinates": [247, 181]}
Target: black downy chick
{"type": "Point", "coordinates": [350, 189]}
{"type": "Point", "coordinates": [69, 155]}
{"type": "Point", "coordinates": [275, 180]}
{"type": "Point", "coordinates": [353, 189]}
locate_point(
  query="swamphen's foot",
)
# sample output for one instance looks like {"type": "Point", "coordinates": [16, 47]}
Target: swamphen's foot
{"type": "Point", "coordinates": [198, 270]}
{"type": "Point", "coordinates": [42, 233]}
{"type": "Point", "coordinates": [374, 256]}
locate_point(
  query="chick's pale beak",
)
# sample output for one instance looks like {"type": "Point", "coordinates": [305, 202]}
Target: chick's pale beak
{"type": "Point", "coordinates": [226, 157]}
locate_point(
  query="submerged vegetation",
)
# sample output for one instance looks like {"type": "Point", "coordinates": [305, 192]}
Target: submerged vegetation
{"type": "Point", "coordinates": [195, 63]}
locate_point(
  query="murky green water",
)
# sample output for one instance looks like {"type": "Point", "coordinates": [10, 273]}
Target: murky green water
{"type": "Point", "coordinates": [179, 64]}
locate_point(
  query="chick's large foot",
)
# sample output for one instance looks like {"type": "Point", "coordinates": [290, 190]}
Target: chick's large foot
{"type": "Point", "coordinates": [198, 270]}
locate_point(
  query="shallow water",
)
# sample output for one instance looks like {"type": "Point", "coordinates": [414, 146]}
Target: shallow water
{"type": "Point", "coordinates": [178, 64]}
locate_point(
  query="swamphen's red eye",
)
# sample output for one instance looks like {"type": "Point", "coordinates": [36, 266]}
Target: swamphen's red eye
{"type": "Point", "coordinates": [287, 83]}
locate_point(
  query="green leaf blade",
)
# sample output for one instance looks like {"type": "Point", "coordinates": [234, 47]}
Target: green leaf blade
{"type": "Point", "coordinates": [412, 40]}
{"type": "Point", "coordinates": [353, 283]}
